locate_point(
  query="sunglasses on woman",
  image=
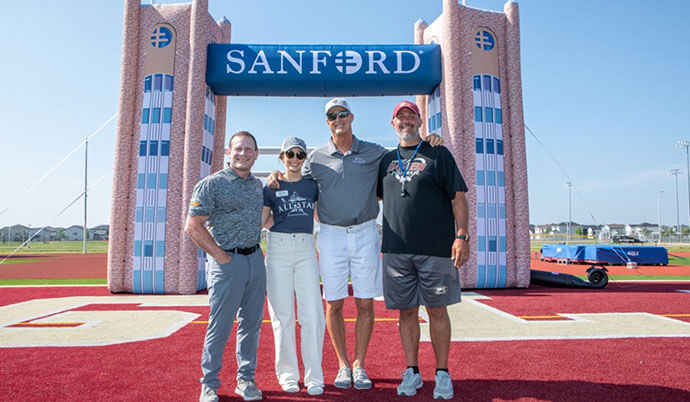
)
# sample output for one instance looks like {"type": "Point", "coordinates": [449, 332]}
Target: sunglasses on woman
{"type": "Point", "coordinates": [342, 114]}
{"type": "Point", "coordinates": [299, 154]}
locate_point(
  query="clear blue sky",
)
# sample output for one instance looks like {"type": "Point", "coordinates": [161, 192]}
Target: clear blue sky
{"type": "Point", "coordinates": [605, 87]}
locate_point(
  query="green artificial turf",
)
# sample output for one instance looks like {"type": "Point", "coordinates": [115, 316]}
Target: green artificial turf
{"type": "Point", "coordinates": [613, 278]}
{"type": "Point", "coordinates": [57, 281]}
{"type": "Point", "coordinates": [676, 260]}
{"type": "Point", "coordinates": [54, 247]}
{"type": "Point", "coordinates": [21, 260]}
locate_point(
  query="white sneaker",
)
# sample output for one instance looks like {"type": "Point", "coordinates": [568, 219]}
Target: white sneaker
{"type": "Point", "coordinates": [444, 386]}
{"type": "Point", "coordinates": [290, 386]}
{"type": "Point", "coordinates": [360, 378]}
{"type": "Point", "coordinates": [315, 389]}
{"type": "Point", "coordinates": [248, 390]}
{"type": "Point", "coordinates": [344, 378]}
{"type": "Point", "coordinates": [208, 394]}
{"type": "Point", "coordinates": [410, 384]}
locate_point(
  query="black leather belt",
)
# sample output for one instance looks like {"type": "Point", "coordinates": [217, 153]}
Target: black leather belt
{"type": "Point", "coordinates": [243, 251]}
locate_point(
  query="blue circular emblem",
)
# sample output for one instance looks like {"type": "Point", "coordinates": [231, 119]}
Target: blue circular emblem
{"type": "Point", "coordinates": [484, 40]}
{"type": "Point", "coordinates": [161, 37]}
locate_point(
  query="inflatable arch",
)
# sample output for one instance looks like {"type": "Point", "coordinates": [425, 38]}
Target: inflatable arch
{"type": "Point", "coordinates": [178, 63]}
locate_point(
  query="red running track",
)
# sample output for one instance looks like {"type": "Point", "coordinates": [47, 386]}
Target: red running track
{"type": "Point", "coordinates": [95, 266]}
{"type": "Point", "coordinates": [57, 266]}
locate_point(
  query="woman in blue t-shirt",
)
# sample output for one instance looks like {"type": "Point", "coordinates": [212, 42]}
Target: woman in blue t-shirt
{"type": "Point", "coordinates": [291, 269]}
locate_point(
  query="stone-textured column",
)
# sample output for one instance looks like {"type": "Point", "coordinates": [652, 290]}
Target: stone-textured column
{"type": "Point", "coordinates": [456, 95]}
{"type": "Point", "coordinates": [451, 85]}
{"type": "Point", "coordinates": [421, 100]}
{"type": "Point", "coordinates": [221, 111]}
{"type": "Point", "coordinates": [520, 205]}
{"type": "Point", "coordinates": [196, 89]}
{"type": "Point", "coordinates": [127, 134]}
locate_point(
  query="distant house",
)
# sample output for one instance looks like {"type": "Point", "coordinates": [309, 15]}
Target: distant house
{"type": "Point", "coordinates": [21, 233]}
{"type": "Point", "coordinates": [646, 231]}
{"type": "Point", "coordinates": [562, 228]}
{"type": "Point", "coordinates": [100, 232]}
{"type": "Point", "coordinates": [74, 232]}
{"type": "Point", "coordinates": [16, 232]}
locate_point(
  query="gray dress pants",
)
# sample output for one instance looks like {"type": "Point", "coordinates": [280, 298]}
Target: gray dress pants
{"type": "Point", "coordinates": [236, 289]}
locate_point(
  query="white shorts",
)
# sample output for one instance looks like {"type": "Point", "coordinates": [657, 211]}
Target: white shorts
{"type": "Point", "coordinates": [353, 251]}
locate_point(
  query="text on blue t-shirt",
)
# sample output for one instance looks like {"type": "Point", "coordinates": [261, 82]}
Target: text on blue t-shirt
{"type": "Point", "coordinates": [292, 205]}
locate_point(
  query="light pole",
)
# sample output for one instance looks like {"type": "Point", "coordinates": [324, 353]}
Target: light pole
{"type": "Point", "coordinates": [86, 189]}
{"type": "Point", "coordinates": [658, 213]}
{"type": "Point", "coordinates": [686, 144]}
{"type": "Point", "coordinates": [570, 209]}
{"type": "Point", "coordinates": [676, 172]}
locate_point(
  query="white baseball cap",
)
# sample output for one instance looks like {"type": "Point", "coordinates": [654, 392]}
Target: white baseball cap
{"type": "Point", "coordinates": [337, 102]}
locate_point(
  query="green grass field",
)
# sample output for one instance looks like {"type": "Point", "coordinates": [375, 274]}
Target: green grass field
{"type": "Point", "coordinates": [55, 247]}
{"type": "Point", "coordinates": [614, 278]}
{"type": "Point", "coordinates": [674, 260]}
{"type": "Point", "coordinates": [65, 281]}
{"type": "Point", "coordinates": [19, 261]}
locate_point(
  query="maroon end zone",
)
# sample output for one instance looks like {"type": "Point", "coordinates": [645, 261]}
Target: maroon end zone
{"type": "Point", "coordinates": [619, 369]}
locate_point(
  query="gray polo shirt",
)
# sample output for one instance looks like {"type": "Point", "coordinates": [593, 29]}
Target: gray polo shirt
{"type": "Point", "coordinates": [233, 206]}
{"type": "Point", "coordinates": [347, 183]}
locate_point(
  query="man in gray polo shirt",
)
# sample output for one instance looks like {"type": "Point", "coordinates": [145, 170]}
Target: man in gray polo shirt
{"type": "Point", "coordinates": [224, 219]}
{"type": "Point", "coordinates": [346, 172]}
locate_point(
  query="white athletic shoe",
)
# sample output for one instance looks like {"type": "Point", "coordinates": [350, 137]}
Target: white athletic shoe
{"type": "Point", "coordinates": [315, 389]}
{"type": "Point", "coordinates": [344, 378]}
{"type": "Point", "coordinates": [410, 384]}
{"type": "Point", "coordinates": [290, 387]}
{"type": "Point", "coordinates": [360, 378]}
{"type": "Point", "coordinates": [444, 386]}
{"type": "Point", "coordinates": [208, 394]}
{"type": "Point", "coordinates": [248, 390]}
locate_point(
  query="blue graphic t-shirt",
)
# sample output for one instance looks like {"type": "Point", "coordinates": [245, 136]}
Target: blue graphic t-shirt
{"type": "Point", "coordinates": [292, 205]}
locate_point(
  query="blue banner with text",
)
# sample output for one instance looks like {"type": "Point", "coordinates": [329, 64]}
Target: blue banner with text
{"type": "Point", "coordinates": [323, 70]}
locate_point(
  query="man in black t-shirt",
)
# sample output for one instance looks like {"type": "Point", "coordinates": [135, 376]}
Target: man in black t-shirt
{"type": "Point", "coordinates": [424, 241]}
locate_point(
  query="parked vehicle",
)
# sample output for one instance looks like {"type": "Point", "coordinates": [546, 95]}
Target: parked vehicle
{"type": "Point", "coordinates": [626, 239]}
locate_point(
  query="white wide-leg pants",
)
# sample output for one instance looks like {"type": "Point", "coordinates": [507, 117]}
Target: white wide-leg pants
{"type": "Point", "coordinates": [292, 270]}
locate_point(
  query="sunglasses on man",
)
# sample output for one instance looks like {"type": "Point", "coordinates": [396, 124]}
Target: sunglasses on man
{"type": "Point", "coordinates": [342, 114]}
{"type": "Point", "coordinates": [299, 154]}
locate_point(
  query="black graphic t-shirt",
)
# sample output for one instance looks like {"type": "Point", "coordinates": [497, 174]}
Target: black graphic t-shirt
{"type": "Point", "coordinates": [292, 205]}
{"type": "Point", "coordinates": [421, 222]}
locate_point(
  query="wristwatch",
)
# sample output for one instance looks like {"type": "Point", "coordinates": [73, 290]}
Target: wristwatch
{"type": "Point", "coordinates": [464, 237]}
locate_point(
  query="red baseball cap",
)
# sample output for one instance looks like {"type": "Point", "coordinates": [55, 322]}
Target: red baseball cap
{"type": "Point", "coordinates": [406, 104]}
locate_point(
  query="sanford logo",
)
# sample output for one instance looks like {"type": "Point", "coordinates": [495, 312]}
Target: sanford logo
{"type": "Point", "coordinates": [316, 61]}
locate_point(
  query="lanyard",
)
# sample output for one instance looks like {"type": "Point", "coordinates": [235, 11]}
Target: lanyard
{"type": "Point", "coordinates": [409, 163]}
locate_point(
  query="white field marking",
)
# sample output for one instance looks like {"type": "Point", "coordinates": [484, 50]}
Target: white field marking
{"type": "Point", "coordinates": [475, 321]}
{"type": "Point", "coordinates": [98, 328]}
{"type": "Point", "coordinates": [683, 290]}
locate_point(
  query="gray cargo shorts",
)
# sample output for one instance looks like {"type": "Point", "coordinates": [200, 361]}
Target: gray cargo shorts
{"type": "Point", "coordinates": [411, 280]}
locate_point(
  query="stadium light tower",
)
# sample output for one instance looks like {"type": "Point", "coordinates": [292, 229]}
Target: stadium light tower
{"type": "Point", "coordinates": [680, 145]}
{"type": "Point", "coordinates": [658, 214]}
{"type": "Point", "coordinates": [570, 209]}
{"type": "Point", "coordinates": [676, 172]}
